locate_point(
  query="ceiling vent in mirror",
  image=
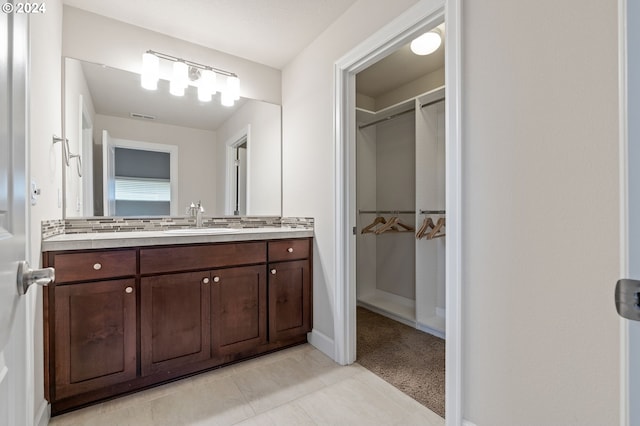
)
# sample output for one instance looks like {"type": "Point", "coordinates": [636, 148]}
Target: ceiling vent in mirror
{"type": "Point", "coordinates": [188, 73]}
{"type": "Point", "coordinates": [143, 116]}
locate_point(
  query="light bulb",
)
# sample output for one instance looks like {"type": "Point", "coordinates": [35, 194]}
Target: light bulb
{"type": "Point", "coordinates": [150, 71]}
{"type": "Point", "coordinates": [426, 44]}
{"type": "Point", "coordinates": [176, 88]}
{"type": "Point", "coordinates": [226, 99]}
{"type": "Point", "coordinates": [233, 87]}
{"type": "Point", "coordinates": [180, 75]}
{"type": "Point", "coordinates": [206, 85]}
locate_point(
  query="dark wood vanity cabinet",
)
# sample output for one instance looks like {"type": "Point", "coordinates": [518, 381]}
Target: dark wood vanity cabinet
{"type": "Point", "coordinates": [95, 336]}
{"type": "Point", "coordinates": [119, 320]}
{"type": "Point", "coordinates": [175, 324]}
{"type": "Point", "coordinates": [90, 321]}
{"type": "Point", "coordinates": [289, 289]}
{"type": "Point", "coordinates": [238, 309]}
{"type": "Point", "coordinates": [289, 299]}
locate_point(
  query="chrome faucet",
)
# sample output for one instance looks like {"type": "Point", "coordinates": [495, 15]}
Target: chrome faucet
{"type": "Point", "coordinates": [196, 210]}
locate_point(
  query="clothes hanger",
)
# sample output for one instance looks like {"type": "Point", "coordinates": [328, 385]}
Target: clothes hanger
{"type": "Point", "coordinates": [427, 224]}
{"type": "Point", "coordinates": [376, 221]}
{"type": "Point", "coordinates": [434, 233]}
{"type": "Point", "coordinates": [389, 226]}
{"type": "Point", "coordinates": [407, 228]}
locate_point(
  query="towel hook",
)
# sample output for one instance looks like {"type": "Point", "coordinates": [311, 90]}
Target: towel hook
{"type": "Point", "coordinates": [78, 164]}
{"type": "Point", "coordinates": [65, 148]}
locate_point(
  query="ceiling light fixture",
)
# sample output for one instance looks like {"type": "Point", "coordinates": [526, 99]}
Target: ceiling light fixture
{"type": "Point", "coordinates": [427, 43]}
{"type": "Point", "coordinates": [187, 73]}
{"type": "Point", "coordinates": [150, 71]}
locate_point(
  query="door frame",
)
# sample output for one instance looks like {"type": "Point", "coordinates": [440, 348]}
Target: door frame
{"type": "Point", "coordinates": [629, 337]}
{"type": "Point", "coordinates": [416, 19]}
{"type": "Point", "coordinates": [87, 152]}
{"type": "Point", "coordinates": [241, 136]}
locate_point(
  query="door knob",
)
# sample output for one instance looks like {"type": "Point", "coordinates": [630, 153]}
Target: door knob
{"type": "Point", "coordinates": [28, 276]}
{"type": "Point", "coordinates": [627, 299]}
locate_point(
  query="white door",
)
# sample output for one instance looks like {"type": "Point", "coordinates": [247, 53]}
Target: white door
{"type": "Point", "coordinates": [13, 70]}
{"type": "Point", "coordinates": [633, 213]}
{"type": "Point", "coordinates": [108, 174]}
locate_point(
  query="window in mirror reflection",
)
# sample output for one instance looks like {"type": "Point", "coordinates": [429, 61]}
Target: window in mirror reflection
{"type": "Point", "coordinates": [142, 182]}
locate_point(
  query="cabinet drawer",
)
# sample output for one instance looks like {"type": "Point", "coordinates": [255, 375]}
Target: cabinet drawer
{"type": "Point", "coordinates": [288, 250]}
{"type": "Point", "coordinates": [171, 259]}
{"type": "Point", "coordinates": [94, 265]}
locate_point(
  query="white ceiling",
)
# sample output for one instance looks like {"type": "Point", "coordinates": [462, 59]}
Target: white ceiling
{"type": "Point", "coordinates": [270, 32]}
{"type": "Point", "coordinates": [397, 69]}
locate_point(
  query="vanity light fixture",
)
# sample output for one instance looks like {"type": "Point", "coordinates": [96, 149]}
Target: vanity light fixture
{"type": "Point", "coordinates": [427, 43]}
{"type": "Point", "coordinates": [150, 71]}
{"type": "Point", "coordinates": [185, 73]}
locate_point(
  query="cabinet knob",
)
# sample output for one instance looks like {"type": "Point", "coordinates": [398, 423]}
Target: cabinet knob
{"type": "Point", "coordinates": [128, 290]}
{"type": "Point", "coordinates": [97, 266]}
{"type": "Point", "coordinates": [273, 272]}
{"type": "Point", "coordinates": [216, 279]}
{"type": "Point", "coordinates": [205, 281]}
{"type": "Point", "coordinates": [290, 249]}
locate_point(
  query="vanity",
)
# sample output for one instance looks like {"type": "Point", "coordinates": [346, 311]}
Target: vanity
{"type": "Point", "coordinates": [165, 296]}
{"type": "Point", "coordinates": [131, 310]}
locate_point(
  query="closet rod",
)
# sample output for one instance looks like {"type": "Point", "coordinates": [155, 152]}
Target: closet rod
{"type": "Point", "coordinates": [431, 103]}
{"type": "Point", "coordinates": [391, 117]}
{"type": "Point", "coordinates": [387, 211]}
{"type": "Point", "coordinates": [433, 212]}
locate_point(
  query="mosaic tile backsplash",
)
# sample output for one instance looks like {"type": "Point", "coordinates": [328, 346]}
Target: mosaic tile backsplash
{"type": "Point", "coordinates": [51, 228]}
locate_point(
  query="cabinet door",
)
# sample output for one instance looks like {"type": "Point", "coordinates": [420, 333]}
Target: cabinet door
{"type": "Point", "coordinates": [174, 320]}
{"type": "Point", "coordinates": [289, 299]}
{"type": "Point", "coordinates": [95, 336]}
{"type": "Point", "coordinates": [238, 309]}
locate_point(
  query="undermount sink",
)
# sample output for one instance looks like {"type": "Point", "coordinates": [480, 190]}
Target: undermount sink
{"type": "Point", "coordinates": [201, 231]}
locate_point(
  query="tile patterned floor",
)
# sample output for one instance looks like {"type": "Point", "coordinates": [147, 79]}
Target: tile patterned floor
{"type": "Point", "coordinates": [296, 386]}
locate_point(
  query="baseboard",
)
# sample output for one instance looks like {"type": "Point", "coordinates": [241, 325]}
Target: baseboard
{"type": "Point", "coordinates": [467, 423]}
{"type": "Point", "coordinates": [322, 342]}
{"type": "Point", "coordinates": [387, 313]}
{"type": "Point", "coordinates": [432, 331]}
{"type": "Point", "coordinates": [43, 415]}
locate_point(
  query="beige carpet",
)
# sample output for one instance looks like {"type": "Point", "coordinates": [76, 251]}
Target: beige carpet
{"type": "Point", "coordinates": [409, 359]}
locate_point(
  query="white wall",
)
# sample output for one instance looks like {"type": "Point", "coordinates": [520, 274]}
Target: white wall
{"type": "Point", "coordinates": [264, 121]}
{"type": "Point", "coordinates": [396, 190]}
{"type": "Point", "coordinates": [421, 85]}
{"type": "Point", "coordinates": [540, 200]}
{"type": "Point", "coordinates": [196, 154]}
{"type": "Point", "coordinates": [45, 162]}
{"type": "Point", "coordinates": [430, 195]}
{"type": "Point", "coordinates": [540, 214]}
{"type": "Point", "coordinates": [308, 149]}
{"type": "Point", "coordinates": [102, 40]}
{"type": "Point", "coordinates": [366, 184]}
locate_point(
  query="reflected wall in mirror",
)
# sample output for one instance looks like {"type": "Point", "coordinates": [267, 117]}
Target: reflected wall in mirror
{"type": "Point", "coordinates": [145, 153]}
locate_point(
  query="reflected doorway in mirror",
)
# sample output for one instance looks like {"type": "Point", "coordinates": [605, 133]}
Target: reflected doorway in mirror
{"type": "Point", "coordinates": [237, 173]}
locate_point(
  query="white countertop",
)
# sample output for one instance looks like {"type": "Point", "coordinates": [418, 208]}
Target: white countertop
{"type": "Point", "coordinates": [101, 240]}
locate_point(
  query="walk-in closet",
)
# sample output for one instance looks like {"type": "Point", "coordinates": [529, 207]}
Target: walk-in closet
{"type": "Point", "coordinates": [400, 194]}
{"type": "Point", "coordinates": [401, 223]}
